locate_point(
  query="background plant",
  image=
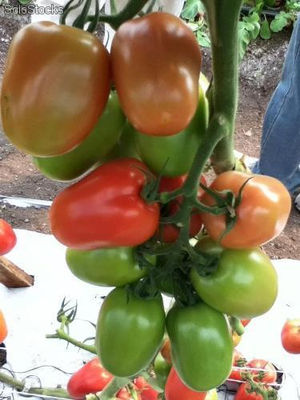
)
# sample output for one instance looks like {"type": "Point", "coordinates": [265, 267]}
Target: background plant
{"type": "Point", "coordinates": [259, 18]}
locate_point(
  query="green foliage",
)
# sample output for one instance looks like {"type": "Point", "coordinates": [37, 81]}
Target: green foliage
{"type": "Point", "coordinates": [257, 23]}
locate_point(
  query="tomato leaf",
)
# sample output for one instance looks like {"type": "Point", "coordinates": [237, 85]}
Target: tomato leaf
{"type": "Point", "coordinates": [191, 9]}
{"type": "Point", "coordinates": [265, 32]}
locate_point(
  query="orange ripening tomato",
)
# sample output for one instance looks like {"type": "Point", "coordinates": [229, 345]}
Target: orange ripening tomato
{"type": "Point", "coordinates": [156, 63]}
{"type": "Point", "coordinates": [3, 327]}
{"type": "Point", "coordinates": [55, 86]}
{"type": "Point", "coordinates": [261, 215]}
{"type": "Point", "coordinates": [290, 336]}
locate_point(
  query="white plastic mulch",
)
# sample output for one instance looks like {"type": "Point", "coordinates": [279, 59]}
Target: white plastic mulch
{"type": "Point", "coordinates": [31, 314]}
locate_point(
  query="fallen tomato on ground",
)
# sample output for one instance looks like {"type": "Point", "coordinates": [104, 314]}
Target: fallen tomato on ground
{"type": "Point", "coordinates": [8, 237]}
{"type": "Point", "coordinates": [3, 327]}
{"type": "Point", "coordinates": [290, 336]}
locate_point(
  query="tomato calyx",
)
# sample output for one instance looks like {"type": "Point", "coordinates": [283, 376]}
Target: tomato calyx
{"type": "Point", "coordinates": [265, 391]}
{"type": "Point", "coordinates": [226, 203]}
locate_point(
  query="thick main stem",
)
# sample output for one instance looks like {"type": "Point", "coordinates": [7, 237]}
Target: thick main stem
{"type": "Point", "coordinates": [223, 17]}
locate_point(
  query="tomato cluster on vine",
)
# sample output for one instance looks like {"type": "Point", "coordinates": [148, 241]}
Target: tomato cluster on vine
{"type": "Point", "coordinates": [140, 193]}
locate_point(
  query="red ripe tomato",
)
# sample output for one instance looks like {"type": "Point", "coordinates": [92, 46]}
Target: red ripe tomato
{"type": "Point", "coordinates": [261, 215]}
{"type": "Point", "coordinates": [244, 394]}
{"type": "Point", "coordinates": [176, 390]}
{"type": "Point", "coordinates": [146, 391]}
{"type": "Point", "coordinates": [156, 63]}
{"type": "Point", "coordinates": [268, 373]}
{"type": "Point", "coordinates": [7, 237]}
{"type": "Point", "coordinates": [91, 378]}
{"type": "Point", "coordinates": [105, 209]}
{"type": "Point", "coordinates": [290, 336]}
{"type": "Point", "coordinates": [169, 232]}
{"type": "Point", "coordinates": [238, 361]}
{"type": "Point", "coordinates": [245, 322]}
{"type": "Point", "coordinates": [125, 394]}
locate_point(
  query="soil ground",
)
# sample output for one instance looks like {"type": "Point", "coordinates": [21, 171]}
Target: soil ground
{"type": "Point", "coordinates": [260, 72]}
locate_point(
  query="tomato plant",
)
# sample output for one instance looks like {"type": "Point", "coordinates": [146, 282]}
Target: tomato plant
{"type": "Point", "coordinates": [131, 326]}
{"type": "Point", "coordinates": [105, 208]}
{"type": "Point", "coordinates": [49, 105]}
{"type": "Point", "coordinates": [157, 97]}
{"type": "Point", "coordinates": [200, 338]}
{"type": "Point", "coordinates": [234, 287]}
{"type": "Point", "coordinates": [266, 372]}
{"type": "Point", "coordinates": [3, 327]}
{"type": "Point", "coordinates": [91, 150]}
{"type": "Point", "coordinates": [290, 336]}
{"type": "Point", "coordinates": [91, 378]}
{"type": "Point", "coordinates": [8, 237]}
{"type": "Point", "coordinates": [261, 215]}
{"type": "Point", "coordinates": [177, 390]}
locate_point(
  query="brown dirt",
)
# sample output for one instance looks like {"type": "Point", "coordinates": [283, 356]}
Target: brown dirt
{"type": "Point", "coordinates": [259, 75]}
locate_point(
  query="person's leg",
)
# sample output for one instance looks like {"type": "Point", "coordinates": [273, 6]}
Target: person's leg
{"type": "Point", "coordinates": [280, 144]}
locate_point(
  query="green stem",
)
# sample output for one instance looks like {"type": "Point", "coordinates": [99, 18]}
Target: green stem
{"type": "Point", "coordinates": [132, 8]}
{"type": "Point", "coordinates": [19, 386]}
{"type": "Point", "coordinates": [237, 326]}
{"type": "Point", "coordinates": [60, 334]}
{"type": "Point", "coordinates": [110, 390]}
{"type": "Point", "coordinates": [223, 24]}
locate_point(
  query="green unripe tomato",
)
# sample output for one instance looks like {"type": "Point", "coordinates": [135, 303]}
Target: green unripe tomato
{"type": "Point", "coordinates": [129, 332]}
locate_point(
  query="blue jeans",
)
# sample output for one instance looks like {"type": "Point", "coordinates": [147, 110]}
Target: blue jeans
{"type": "Point", "coordinates": [280, 144]}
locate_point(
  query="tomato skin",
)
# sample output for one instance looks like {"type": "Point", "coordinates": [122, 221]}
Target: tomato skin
{"type": "Point", "coordinates": [91, 150]}
{"type": "Point", "coordinates": [173, 155]}
{"type": "Point", "coordinates": [105, 209]}
{"type": "Point", "coordinates": [200, 338]}
{"type": "Point", "coordinates": [267, 376]}
{"type": "Point", "coordinates": [91, 378]}
{"type": "Point", "coordinates": [130, 326]}
{"type": "Point", "coordinates": [146, 390]}
{"type": "Point", "coordinates": [148, 56]}
{"type": "Point", "coordinates": [8, 237]}
{"type": "Point", "coordinates": [234, 287]}
{"type": "Point", "coordinates": [245, 322]}
{"type": "Point", "coordinates": [176, 390]}
{"type": "Point", "coordinates": [261, 215]}
{"type": "Point", "coordinates": [3, 327]}
{"type": "Point", "coordinates": [106, 267]}
{"type": "Point", "coordinates": [290, 336]}
{"type": "Point", "coordinates": [169, 233]}
{"type": "Point", "coordinates": [166, 350]}
{"type": "Point", "coordinates": [243, 394]}
{"type": "Point", "coordinates": [63, 89]}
